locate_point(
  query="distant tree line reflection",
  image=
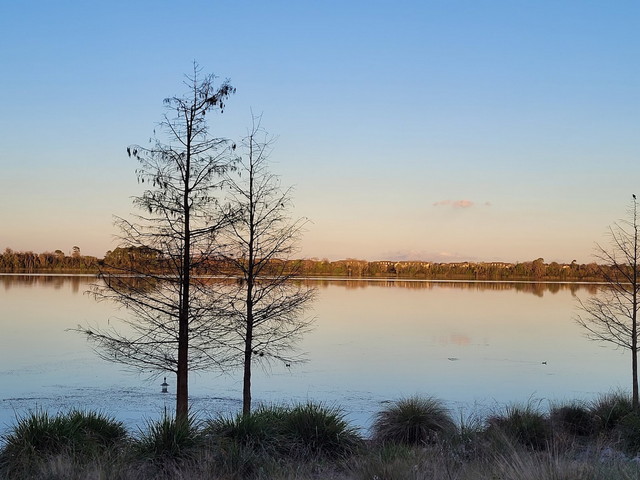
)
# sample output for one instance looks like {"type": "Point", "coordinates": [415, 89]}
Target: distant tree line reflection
{"type": "Point", "coordinates": [536, 288]}
{"type": "Point", "coordinates": [81, 284]}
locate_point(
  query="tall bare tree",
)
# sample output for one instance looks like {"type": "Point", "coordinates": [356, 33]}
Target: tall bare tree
{"type": "Point", "coordinates": [266, 306]}
{"type": "Point", "coordinates": [612, 315]}
{"type": "Point", "coordinates": [169, 320]}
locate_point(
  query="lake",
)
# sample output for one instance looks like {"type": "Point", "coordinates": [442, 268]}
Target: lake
{"type": "Point", "coordinates": [478, 346]}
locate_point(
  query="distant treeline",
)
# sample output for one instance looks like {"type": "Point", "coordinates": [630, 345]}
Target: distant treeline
{"type": "Point", "coordinates": [537, 270]}
{"type": "Point", "coordinates": [47, 262]}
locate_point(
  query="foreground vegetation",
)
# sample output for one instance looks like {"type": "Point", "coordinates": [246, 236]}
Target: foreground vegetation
{"type": "Point", "coordinates": [414, 438]}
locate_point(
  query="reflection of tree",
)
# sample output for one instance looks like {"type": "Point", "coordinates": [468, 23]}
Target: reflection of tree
{"type": "Point", "coordinates": [355, 284]}
{"type": "Point", "coordinates": [57, 282]}
{"type": "Point", "coordinates": [535, 288]}
{"type": "Point", "coordinates": [75, 284]}
{"type": "Point", "coordinates": [133, 285]}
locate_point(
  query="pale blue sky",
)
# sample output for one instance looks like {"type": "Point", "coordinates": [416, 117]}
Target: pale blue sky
{"type": "Point", "coordinates": [438, 130]}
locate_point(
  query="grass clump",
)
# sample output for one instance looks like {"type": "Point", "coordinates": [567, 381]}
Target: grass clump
{"type": "Point", "coordinates": [307, 429]}
{"type": "Point", "coordinates": [389, 461]}
{"type": "Point", "coordinates": [574, 419]}
{"type": "Point", "coordinates": [168, 439]}
{"type": "Point", "coordinates": [549, 465]}
{"type": "Point", "coordinates": [522, 424]}
{"type": "Point", "coordinates": [276, 439]}
{"type": "Point", "coordinates": [38, 436]}
{"type": "Point", "coordinates": [629, 430]}
{"type": "Point", "coordinates": [311, 441]}
{"type": "Point", "coordinates": [413, 421]}
{"type": "Point", "coordinates": [94, 430]}
{"type": "Point", "coordinates": [262, 429]}
{"type": "Point", "coordinates": [609, 409]}
{"type": "Point", "coordinates": [317, 429]}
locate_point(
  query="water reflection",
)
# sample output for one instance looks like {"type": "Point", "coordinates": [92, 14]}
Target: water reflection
{"type": "Point", "coordinates": [536, 288]}
{"type": "Point", "coordinates": [375, 340]}
{"type": "Point", "coordinates": [75, 282]}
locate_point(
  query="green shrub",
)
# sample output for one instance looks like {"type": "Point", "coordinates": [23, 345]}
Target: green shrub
{"type": "Point", "coordinates": [413, 421]}
{"type": "Point", "coordinates": [168, 438]}
{"type": "Point", "coordinates": [525, 425]}
{"type": "Point", "coordinates": [610, 408]}
{"type": "Point", "coordinates": [573, 418]}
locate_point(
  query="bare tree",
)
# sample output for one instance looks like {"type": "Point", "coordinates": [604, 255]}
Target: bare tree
{"type": "Point", "coordinates": [169, 317]}
{"type": "Point", "coordinates": [265, 306]}
{"type": "Point", "coordinates": [612, 315]}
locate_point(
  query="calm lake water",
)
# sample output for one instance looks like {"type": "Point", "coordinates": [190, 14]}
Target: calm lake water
{"type": "Point", "coordinates": [477, 346]}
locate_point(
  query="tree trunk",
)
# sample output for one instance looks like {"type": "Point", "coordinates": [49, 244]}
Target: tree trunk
{"type": "Point", "coordinates": [182, 388]}
{"type": "Point", "coordinates": [634, 353]}
{"type": "Point", "coordinates": [634, 371]}
{"type": "Point", "coordinates": [182, 392]}
{"type": "Point", "coordinates": [634, 314]}
{"type": "Point", "coordinates": [246, 383]}
{"type": "Point", "coordinates": [248, 339]}
{"type": "Point", "coordinates": [634, 340]}
{"type": "Point", "coordinates": [249, 272]}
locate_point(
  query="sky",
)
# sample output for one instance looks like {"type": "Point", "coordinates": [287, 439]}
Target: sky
{"type": "Point", "coordinates": [431, 130]}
